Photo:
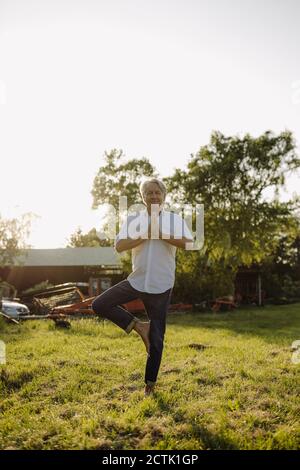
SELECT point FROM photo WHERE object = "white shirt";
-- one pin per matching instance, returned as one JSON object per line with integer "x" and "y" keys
{"x": 153, "y": 261}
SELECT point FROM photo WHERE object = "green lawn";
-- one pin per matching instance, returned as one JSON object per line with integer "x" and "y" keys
{"x": 83, "y": 388}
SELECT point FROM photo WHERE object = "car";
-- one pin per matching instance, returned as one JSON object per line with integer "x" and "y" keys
{"x": 13, "y": 309}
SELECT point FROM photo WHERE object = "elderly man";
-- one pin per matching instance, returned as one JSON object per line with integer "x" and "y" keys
{"x": 153, "y": 235}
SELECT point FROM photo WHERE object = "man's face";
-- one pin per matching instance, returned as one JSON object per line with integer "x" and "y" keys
{"x": 153, "y": 195}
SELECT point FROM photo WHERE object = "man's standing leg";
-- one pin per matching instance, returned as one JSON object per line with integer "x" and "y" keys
{"x": 157, "y": 307}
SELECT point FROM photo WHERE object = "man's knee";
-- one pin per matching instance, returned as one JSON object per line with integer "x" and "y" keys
{"x": 99, "y": 307}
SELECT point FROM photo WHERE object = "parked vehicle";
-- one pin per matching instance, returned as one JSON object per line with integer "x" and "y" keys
{"x": 13, "y": 309}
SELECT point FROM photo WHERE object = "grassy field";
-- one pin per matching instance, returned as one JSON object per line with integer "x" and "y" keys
{"x": 83, "y": 388}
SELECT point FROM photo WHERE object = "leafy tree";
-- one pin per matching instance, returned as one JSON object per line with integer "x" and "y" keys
{"x": 13, "y": 233}
{"x": 90, "y": 239}
{"x": 230, "y": 176}
{"x": 281, "y": 270}
{"x": 120, "y": 178}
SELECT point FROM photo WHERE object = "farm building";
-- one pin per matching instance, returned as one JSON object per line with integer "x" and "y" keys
{"x": 100, "y": 267}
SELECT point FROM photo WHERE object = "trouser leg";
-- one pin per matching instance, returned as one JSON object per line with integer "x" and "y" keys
{"x": 157, "y": 307}
{"x": 107, "y": 305}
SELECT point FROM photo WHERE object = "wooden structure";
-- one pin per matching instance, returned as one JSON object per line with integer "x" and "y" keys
{"x": 248, "y": 287}
{"x": 99, "y": 267}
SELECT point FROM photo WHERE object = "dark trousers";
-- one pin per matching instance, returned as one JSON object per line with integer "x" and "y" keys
{"x": 108, "y": 305}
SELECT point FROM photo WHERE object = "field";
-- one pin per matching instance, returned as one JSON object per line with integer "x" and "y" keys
{"x": 227, "y": 381}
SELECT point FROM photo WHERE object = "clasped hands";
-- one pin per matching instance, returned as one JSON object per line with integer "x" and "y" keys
{"x": 154, "y": 232}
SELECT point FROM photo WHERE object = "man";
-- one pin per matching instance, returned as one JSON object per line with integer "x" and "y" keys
{"x": 153, "y": 235}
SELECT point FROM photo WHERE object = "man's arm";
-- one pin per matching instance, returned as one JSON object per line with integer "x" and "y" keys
{"x": 128, "y": 243}
{"x": 184, "y": 236}
{"x": 178, "y": 242}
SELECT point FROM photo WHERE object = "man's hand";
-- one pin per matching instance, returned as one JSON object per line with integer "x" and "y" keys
{"x": 178, "y": 242}
{"x": 153, "y": 232}
{"x": 127, "y": 244}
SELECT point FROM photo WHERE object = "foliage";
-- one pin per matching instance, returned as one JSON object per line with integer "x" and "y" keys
{"x": 13, "y": 233}
{"x": 230, "y": 176}
{"x": 90, "y": 239}
{"x": 120, "y": 178}
{"x": 291, "y": 288}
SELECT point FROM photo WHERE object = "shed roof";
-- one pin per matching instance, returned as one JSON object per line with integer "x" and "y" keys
{"x": 86, "y": 256}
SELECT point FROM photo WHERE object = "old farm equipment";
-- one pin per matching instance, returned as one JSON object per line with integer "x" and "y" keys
{"x": 65, "y": 301}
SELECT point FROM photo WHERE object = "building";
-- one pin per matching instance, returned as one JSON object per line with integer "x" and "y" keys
{"x": 99, "y": 266}
{"x": 248, "y": 286}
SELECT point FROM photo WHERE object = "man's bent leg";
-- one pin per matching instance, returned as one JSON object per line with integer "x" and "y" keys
{"x": 107, "y": 305}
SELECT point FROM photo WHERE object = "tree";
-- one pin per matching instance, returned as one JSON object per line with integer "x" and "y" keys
{"x": 230, "y": 176}
{"x": 120, "y": 178}
{"x": 281, "y": 270}
{"x": 90, "y": 239}
{"x": 13, "y": 233}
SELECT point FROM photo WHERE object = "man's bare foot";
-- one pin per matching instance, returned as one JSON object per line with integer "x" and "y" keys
{"x": 149, "y": 390}
{"x": 143, "y": 329}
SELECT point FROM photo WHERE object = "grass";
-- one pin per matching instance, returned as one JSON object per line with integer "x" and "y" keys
{"x": 83, "y": 388}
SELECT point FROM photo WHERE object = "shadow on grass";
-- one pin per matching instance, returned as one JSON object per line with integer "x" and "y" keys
{"x": 14, "y": 382}
{"x": 194, "y": 431}
{"x": 211, "y": 441}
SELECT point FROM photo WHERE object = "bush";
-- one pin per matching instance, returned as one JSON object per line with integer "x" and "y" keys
{"x": 290, "y": 288}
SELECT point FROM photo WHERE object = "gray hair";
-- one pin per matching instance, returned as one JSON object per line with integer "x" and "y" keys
{"x": 144, "y": 184}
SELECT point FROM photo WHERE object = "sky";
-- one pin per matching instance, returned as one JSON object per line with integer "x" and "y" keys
{"x": 151, "y": 77}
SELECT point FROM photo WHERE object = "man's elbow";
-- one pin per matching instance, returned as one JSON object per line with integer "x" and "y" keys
{"x": 119, "y": 247}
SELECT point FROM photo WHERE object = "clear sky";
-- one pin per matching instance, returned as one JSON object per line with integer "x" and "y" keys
{"x": 153, "y": 77}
